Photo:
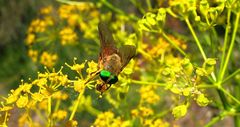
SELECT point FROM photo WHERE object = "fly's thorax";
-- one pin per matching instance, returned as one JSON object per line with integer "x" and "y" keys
{"x": 113, "y": 63}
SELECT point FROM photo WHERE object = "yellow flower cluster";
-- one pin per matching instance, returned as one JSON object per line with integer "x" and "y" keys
{"x": 155, "y": 123}
{"x": 68, "y": 36}
{"x": 48, "y": 59}
{"x": 162, "y": 46}
{"x": 33, "y": 54}
{"x": 46, "y": 10}
{"x": 60, "y": 114}
{"x": 107, "y": 119}
{"x": 148, "y": 95}
{"x": 71, "y": 12}
{"x": 40, "y": 25}
{"x": 145, "y": 114}
{"x": 70, "y": 20}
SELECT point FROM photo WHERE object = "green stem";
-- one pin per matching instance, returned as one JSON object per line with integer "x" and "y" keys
{"x": 49, "y": 111}
{"x": 216, "y": 119}
{"x": 226, "y": 61}
{"x": 225, "y": 40}
{"x": 198, "y": 44}
{"x": 196, "y": 39}
{"x": 230, "y": 76}
{"x": 147, "y": 83}
{"x": 76, "y": 104}
{"x": 115, "y": 9}
{"x": 231, "y": 96}
{"x": 149, "y": 5}
{"x": 57, "y": 105}
{"x": 138, "y": 6}
{"x": 174, "y": 44}
{"x": 73, "y": 2}
{"x": 236, "y": 121}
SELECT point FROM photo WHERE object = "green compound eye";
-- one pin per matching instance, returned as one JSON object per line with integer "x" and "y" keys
{"x": 113, "y": 80}
{"x": 104, "y": 75}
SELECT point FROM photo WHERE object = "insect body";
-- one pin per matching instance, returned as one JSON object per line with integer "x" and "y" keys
{"x": 111, "y": 59}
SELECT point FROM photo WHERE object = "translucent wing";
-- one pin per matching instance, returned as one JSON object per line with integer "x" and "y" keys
{"x": 107, "y": 43}
{"x": 127, "y": 52}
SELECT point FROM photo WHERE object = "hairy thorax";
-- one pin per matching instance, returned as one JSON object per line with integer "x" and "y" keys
{"x": 112, "y": 63}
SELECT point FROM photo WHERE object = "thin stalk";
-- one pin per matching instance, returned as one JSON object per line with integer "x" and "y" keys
{"x": 196, "y": 39}
{"x": 220, "y": 92}
{"x": 231, "y": 76}
{"x": 147, "y": 83}
{"x": 57, "y": 105}
{"x": 231, "y": 96}
{"x": 174, "y": 44}
{"x": 216, "y": 119}
{"x": 49, "y": 111}
{"x": 76, "y": 104}
{"x": 225, "y": 43}
{"x": 115, "y": 9}
{"x": 226, "y": 61}
{"x": 149, "y": 5}
{"x": 138, "y": 6}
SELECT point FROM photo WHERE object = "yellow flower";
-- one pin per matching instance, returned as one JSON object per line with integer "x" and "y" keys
{"x": 65, "y": 10}
{"x": 43, "y": 104}
{"x": 33, "y": 54}
{"x": 73, "y": 19}
{"x": 92, "y": 67}
{"x": 46, "y": 10}
{"x": 94, "y": 13}
{"x": 26, "y": 87}
{"x": 22, "y": 101}
{"x": 63, "y": 80}
{"x": 48, "y": 59}
{"x": 134, "y": 112}
{"x": 48, "y": 20}
{"x": 31, "y": 104}
{"x": 68, "y": 36}
{"x": 11, "y": 99}
{"x": 84, "y": 6}
{"x": 160, "y": 123}
{"x": 30, "y": 38}
{"x": 145, "y": 112}
{"x": 60, "y": 95}
{"x": 103, "y": 119}
{"x": 147, "y": 122}
{"x": 6, "y": 108}
{"x": 79, "y": 85}
{"x": 77, "y": 67}
{"x": 159, "y": 49}
{"x": 71, "y": 123}
{"x": 148, "y": 95}
{"x": 22, "y": 121}
{"x": 37, "y": 26}
{"x": 60, "y": 114}
{"x": 38, "y": 96}
{"x": 40, "y": 82}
